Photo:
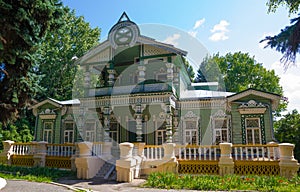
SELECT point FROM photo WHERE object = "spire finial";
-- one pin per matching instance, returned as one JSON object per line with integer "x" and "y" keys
{"x": 124, "y": 17}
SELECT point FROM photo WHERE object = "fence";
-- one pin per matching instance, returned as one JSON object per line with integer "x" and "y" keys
{"x": 153, "y": 152}
{"x": 43, "y": 154}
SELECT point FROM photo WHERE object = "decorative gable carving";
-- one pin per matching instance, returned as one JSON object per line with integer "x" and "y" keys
{"x": 47, "y": 114}
{"x": 220, "y": 114}
{"x": 252, "y": 107}
{"x": 190, "y": 115}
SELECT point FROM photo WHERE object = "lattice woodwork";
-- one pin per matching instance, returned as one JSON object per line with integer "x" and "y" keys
{"x": 198, "y": 167}
{"x": 22, "y": 160}
{"x": 256, "y": 168}
{"x": 58, "y": 162}
{"x": 152, "y": 50}
{"x": 3, "y": 160}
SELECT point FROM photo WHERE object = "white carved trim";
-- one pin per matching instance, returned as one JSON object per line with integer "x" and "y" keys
{"x": 47, "y": 116}
{"x": 273, "y": 97}
{"x": 220, "y": 114}
{"x": 190, "y": 115}
{"x": 252, "y": 110}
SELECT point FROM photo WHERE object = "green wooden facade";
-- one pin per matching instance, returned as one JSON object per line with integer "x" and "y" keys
{"x": 137, "y": 89}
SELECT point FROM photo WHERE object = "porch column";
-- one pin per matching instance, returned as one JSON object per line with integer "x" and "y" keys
{"x": 141, "y": 69}
{"x": 106, "y": 123}
{"x": 170, "y": 72}
{"x": 107, "y": 140}
{"x": 169, "y": 131}
{"x": 87, "y": 79}
{"x": 175, "y": 124}
{"x": 138, "y": 108}
{"x": 111, "y": 74}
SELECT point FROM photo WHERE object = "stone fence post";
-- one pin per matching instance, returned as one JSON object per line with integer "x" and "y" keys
{"x": 126, "y": 165}
{"x": 169, "y": 161}
{"x": 87, "y": 165}
{"x": 39, "y": 157}
{"x": 226, "y": 164}
{"x": 288, "y": 164}
{"x": 7, "y": 152}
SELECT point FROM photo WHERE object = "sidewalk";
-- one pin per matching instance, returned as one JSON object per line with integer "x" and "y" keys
{"x": 73, "y": 185}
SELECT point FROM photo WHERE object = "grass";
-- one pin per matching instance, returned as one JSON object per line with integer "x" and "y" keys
{"x": 37, "y": 174}
{"x": 226, "y": 183}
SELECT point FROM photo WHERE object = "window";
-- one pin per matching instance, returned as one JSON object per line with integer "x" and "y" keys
{"x": 69, "y": 132}
{"x": 253, "y": 133}
{"x": 90, "y": 131}
{"x": 221, "y": 130}
{"x": 191, "y": 132}
{"x": 48, "y": 129}
{"x": 160, "y": 133}
{"x": 113, "y": 133}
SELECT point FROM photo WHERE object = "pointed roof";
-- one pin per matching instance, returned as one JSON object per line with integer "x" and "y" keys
{"x": 275, "y": 98}
{"x": 124, "y": 16}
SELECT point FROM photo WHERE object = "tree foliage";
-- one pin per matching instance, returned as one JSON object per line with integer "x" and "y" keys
{"x": 288, "y": 40}
{"x": 23, "y": 25}
{"x": 287, "y": 130}
{"x": 291, "y": 5}
{"x": 58, "y": 50}
{"x": 237, "y": 72}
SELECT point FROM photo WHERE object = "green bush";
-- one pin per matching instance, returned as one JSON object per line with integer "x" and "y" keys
{"x": 228, "y": 182}
{"x": 39, "y": 174}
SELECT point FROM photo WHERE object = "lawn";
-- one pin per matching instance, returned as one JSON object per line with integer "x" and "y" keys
{"x": 226, "y": 183}
{"x": 38, "y": 174}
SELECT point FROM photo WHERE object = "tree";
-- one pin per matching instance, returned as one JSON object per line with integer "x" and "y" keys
{"x": 288, "y": 40}
{"x": 58, "y": 50}
{"x": 237, "y": 72}
{"x": 287, "y": 129}
{"x": 23, "y": 25}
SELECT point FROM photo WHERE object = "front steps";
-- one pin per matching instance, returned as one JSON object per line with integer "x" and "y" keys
{"x": 107, "y": 171}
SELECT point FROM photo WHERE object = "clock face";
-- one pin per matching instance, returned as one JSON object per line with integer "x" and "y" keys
{"x": 123, "y": 36}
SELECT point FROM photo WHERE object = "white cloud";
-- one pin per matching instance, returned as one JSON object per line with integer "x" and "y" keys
{"x": 198, "y": 23}
{"x": 219, "y": 31}
{"x": 290, "y": 82}
{"x": 193, "y": 33}
{"x": 220, "y": 36}
{"x": 172, "y": 39}
{"x": 221, "y": 27}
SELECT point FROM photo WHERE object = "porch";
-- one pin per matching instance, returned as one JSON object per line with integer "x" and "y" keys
{"x": 138, "y": 160}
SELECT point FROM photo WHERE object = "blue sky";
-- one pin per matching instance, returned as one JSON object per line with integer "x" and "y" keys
{"x": 220, "y": 26}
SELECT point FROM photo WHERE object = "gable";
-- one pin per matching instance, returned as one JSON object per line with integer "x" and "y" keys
{"x": 252, "y": 94}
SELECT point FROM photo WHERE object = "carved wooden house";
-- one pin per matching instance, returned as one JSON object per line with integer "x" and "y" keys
{"x": 142, "y": 93}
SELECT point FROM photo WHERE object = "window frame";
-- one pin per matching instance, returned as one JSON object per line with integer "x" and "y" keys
{"x": 252, "y": 129}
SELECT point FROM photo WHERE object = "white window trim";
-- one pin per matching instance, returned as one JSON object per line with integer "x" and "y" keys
{"x": 93, "y": 131}
{"x": 49, "y": 132}
{"x": 252, "y": 130}
{"x": 190, "y": 116}
{"x": 158, "y": 123}
{"x": 220, "y": 129}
